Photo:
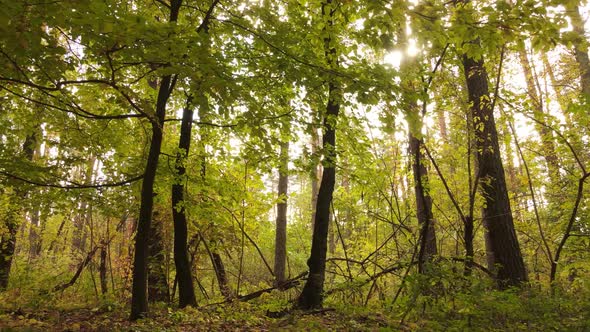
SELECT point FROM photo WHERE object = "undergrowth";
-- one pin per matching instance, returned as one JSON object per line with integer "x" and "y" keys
{"x": 442, "y": 300}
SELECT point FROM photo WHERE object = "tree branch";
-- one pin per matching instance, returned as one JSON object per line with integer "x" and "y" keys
{"x": 75, "y": 185}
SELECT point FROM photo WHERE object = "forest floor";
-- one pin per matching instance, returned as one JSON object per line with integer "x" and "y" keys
{"x": 464, "y": 309}
{"x": 221, "y": 318}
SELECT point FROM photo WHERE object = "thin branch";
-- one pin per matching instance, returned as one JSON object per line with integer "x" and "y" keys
{"x": 547, "y": 250}
{"x": 75, "y": 185}
{"x": 445, "y": 184}
{"x": 207, "y": 19}
{"x": 557, "y": 132}
{"x": 569, "y": 227}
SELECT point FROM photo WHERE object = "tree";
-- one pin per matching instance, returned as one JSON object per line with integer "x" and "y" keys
{"x": 281, "y": 222}
{"x": 580, "y": 46}
{"x": 312, "y": 294}
{"x": 414, "y": 115}
{"x": 10, "y": 215}
{"x": 158, "y": 289}
{"x": 497, "y": 214}
{"x": 186, "y": 292}
{"x": 139, "y": 298}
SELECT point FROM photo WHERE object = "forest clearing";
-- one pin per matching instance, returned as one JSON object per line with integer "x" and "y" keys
{"x": 299, "y": 165}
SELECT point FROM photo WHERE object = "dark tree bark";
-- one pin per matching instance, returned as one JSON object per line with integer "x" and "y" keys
{"x": 316, "y": 174}
{"x": 221, "y": 275}
{"x": 139, "y": 296}
{"x": 186, "y": 290}
{"x": 53, "y": 246}
{"x": 423, "y": 203}
{"x": 11, "y": 218}
{"x": 468, "y": 238}
{"x": 497, "y": 213}
{"x": 158, "y": 290}
{"x": 281, "y": 224}
{"x": 311, "y": 296}
{"x": 8, "y": 241}
{"x": 103, "y": 269}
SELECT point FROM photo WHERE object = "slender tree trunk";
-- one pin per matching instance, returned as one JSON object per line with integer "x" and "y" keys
{"x": 563, "y": 104}
{"x": 580, "y": 47}
{"x": 53, "y": 246}
{"x": 316, "y": 175}
{"x": 312, "y": 294}
{"x": 79, "y": 226}
{"x": 497, "y": 213}
{"x": 36, "y": 221}
{"x": 186, "y": 290}
{"x": 414, "y": 117}
{"x": 423, "y": 203}
{"x": 8, "y": 240}
{"x": 442, "y": 124}
{"x": 103, "y": 269}
{"x": 216, "y": 259}
{"x": 221, "y": 275}
{"x": 158, "y": 289}
{"x": 281, "y": 224}
{"x": 11, "y": 218}
{"x": 547, "y": 140}
{"x": 35, "y": 233}
{"x": 82, "y": 218}
{"x": 331, "y": 235}
{"x": 139, "y": 296}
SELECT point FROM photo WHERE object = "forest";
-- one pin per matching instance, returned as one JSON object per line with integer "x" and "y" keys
{"x": 319, "y": 165}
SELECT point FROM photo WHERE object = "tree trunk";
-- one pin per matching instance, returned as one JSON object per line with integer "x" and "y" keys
{"x": 414, "y": 117}
{"x": 158, "y": 289}
{"x": 547, "y": 140}
{"x": 83, "y": 217}
{"x": 497, "y": 213}
{"x": 37, "y": 223}
{"x": 316, "y": 175}
{"x": 103, "y": 269}
{"x": 139, "y": 296}
{"x": 8, "y": 239}
{"x": 580, "y": 47}
{"x": 11, "y": 219}
{"x": 281, "y": 225}
{"x": 312, "y": 295}
{"x": 35, "y": 233}
{"x": 186, "y": 290}
{"x": 221, "y": 275}
{"x": 423, "y": 203}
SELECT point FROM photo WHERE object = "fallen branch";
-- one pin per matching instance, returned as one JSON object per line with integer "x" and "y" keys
{"x": 473, "y": 264}
{"x": 88, "y": 259}
{"x": 287, "y": 284}
{"x": 81, "y": 267}
{"x": 373, "y": 277}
